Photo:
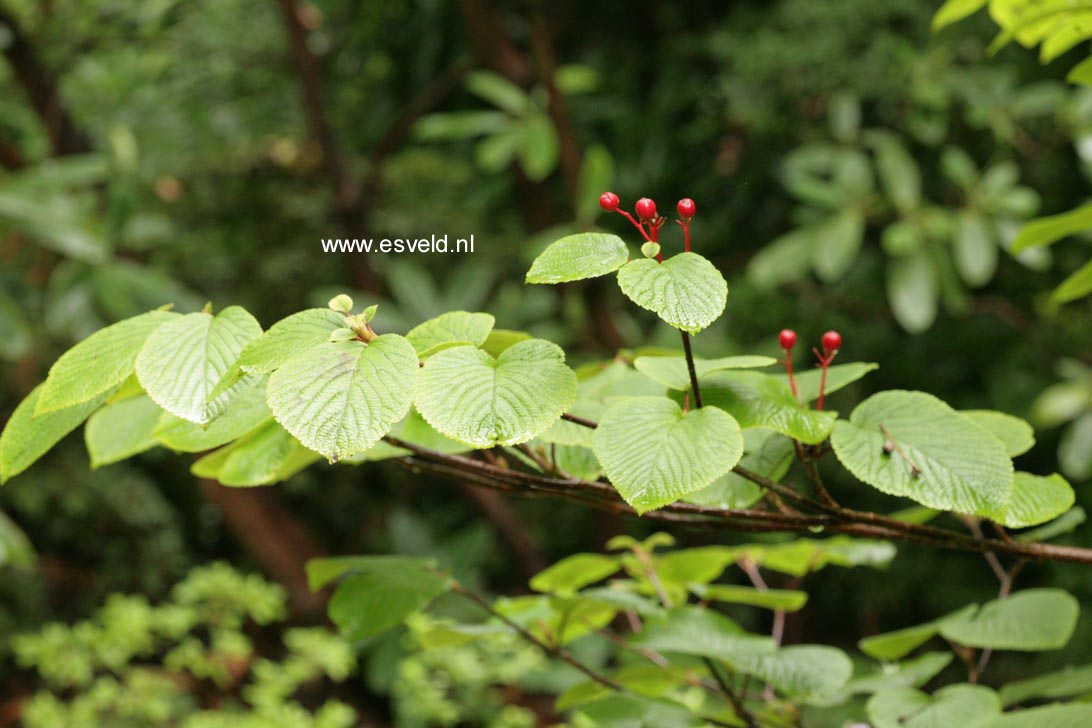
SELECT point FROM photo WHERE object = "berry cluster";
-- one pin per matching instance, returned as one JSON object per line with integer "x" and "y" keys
{"x": 649, "y": 221}
{"x": 832, "y": 342}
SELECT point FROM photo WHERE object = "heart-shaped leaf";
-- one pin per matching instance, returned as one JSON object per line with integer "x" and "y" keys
{"x": 686, "y": 290}
{"x": 654, "y": 454}
{"x": 471, "y": 397}
{"x": 185, "y": 358}
{"x": 575, "y": 257}
{"x": 339, "y": 398}
{"x": 913, "y": 445}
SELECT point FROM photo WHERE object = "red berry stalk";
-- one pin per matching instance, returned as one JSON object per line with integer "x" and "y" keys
{"x": 832, "y": 342}
{"x": 787, "y": 340}
{"x": 686, "y": 209}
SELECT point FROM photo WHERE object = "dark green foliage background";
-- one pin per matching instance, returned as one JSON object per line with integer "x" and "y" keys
{"x": 692, "y": 99}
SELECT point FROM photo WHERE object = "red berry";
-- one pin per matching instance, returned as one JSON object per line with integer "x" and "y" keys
{"x": 686, "y": 208}
{"x": 608, "y": 201}
{"x": 646, "y": 209}
{"x": 832, "y": 341}
{"x": 788, "y": 338}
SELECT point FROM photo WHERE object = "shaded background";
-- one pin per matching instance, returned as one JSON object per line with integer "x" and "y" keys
{"x": 170, "y": 151}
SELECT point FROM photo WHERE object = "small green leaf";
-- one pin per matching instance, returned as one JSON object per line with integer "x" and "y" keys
{"x": 892, "y": 646}
{"x": 244, "y": 413}
{"x": 836, "y": 244}
{"x": 184, "y": 359}
{"x": 1081, "y": 74}
{"x": 788, "y": 600}
{"x": 121, "y": 430}
{"x": 838, "y": 377}
{"x": 1037, "y": 499}
{"x": 285, "y": 339}
{"x": 1049, "y": 230}
{"x": 471, "y": 397}
{"x": 955, "y": 10}
{"x": 99, "y": 363}
{"x": 1014, "y": 433}
{"x": 26, "y": 436}
{"x": 500, "y": 339}
{"x": 15, "y": 547}
{"x": 1066, "y": 683}
{"x": 498, "y": 91}
{"x": 539, "y": 148}
{"x": 686, "y": 290}
{"x": 1031, "y": 620}
{"x": 672, "y": 372}
{"x": 803, "y": 672}
{"x": 913, "y": 289}
{"x": 898, "y": 171}
{"x": 377, "y": 593}
{"x": 450, "y": 329}
{"x": 701, "y": 633}
{"x": 1072, "y": 715}
{"x": 650, "y": 249}
{"x": 266, "y": 455}
{"x": 654, "y": 454}
{"x": 573, "y": 573}
{"x": 960, "y": 466}
{"x": 974, "y": 250}
{"x": 580, "y": 256}
{"x": 759, "y": 400}
{"x": 340, "y": 303}
{"x": 954, "y": 706}
{"x": 340, "y": 399}
{"x": 1077, "y": 285}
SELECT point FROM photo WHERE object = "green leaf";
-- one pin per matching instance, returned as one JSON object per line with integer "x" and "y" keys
{"x": 955, "y": 10}
{"x": 801, "y": 556}
{"x": 184, "y": 359}
{"x": 573, "y": 573}
{"x": 836, "y": 244}
{"x": 412, "y": 429}
{"x": 596, "y": 175}
{"x": 121, "y": 430}
{"x": 898, "y": 171}
{"x": 1014, "y": 433}
{"x": 501, "y": 339}
{"x": 620, "y": 710}
{"x": 540, "y": 147}
{"x": 340, "y": 399}
{"x": 15, "y": 547}
{"x": 450, "y": 329}
{"x": 471, "y": 397}
{"x": 557, "y": 620}
{"x": 654, "y": 454}
{"x": 26, "y": 436}
{"x": 1037, "y": 499}
{"x": 974, "y": 249}
{"x": 766, "y": 453}
{"x": 99, "y": 363}
{"x": 1073, "y": 715}
{"x": 954, "y": 706}
{"x": 1063, "y": 524}
{"x": 498, "y": 91}
{"x": 838, "y": 376}
{"x": 1081, "y": 74}
{"x": 788, "y": 600}
{"x": 15, "y": 329}
{"x": 244, "y": 413}
{"x": 266, "y": 455}
{"x": 672, "y": 372}
{"x": 1066, "y": 683}
{"x": 1049, "y": 230}
{"x": 701, "y": 633}
{"x": 378, "y": 592}
{"x": 1031, "y": 620}
{"x": 896, "y": 645}
{"x": 961, "y": 466}
{"x": 580, "y": 256}
{"x": 788, "y": 258}
{"x": 685, "y": 290}
{"x": 759, "y": 400}
{"x": 1077, "y": 285}
{"x": 803, "y": 672}
{"x": 289, "y": 337}
{"x": 913, "y": 289}
{"x": 908, "y": 673}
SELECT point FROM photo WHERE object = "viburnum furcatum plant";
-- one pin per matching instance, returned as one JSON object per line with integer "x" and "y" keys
{"x": 715, "y": 444}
